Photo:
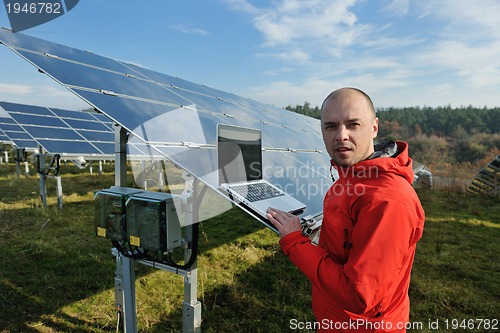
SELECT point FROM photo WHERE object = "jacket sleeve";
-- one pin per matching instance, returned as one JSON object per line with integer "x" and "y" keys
{"x": 382, "y": 236}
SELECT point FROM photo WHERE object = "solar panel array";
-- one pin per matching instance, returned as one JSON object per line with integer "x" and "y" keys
{"x": 487, "y": 180}
{"x": 61, "y": 131}
{"x": 178, "y": 118}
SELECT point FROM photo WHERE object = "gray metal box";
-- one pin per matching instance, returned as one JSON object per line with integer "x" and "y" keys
{"x": 152, "y": 221}
{"x": 109, "y": 212}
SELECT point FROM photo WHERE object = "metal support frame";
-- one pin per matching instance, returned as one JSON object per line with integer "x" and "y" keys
{"x": 20, "y": 155}
{"x": 49, "y": 170}
{"x": 125, "y": 275}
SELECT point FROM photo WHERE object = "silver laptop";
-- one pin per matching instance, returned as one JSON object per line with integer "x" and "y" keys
{"x": 239, "y": 158}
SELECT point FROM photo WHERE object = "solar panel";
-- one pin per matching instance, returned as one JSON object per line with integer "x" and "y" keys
{"x": 487, "y": 180}
{"x": 178, "y": 118}
{"x": 63, "y": 131}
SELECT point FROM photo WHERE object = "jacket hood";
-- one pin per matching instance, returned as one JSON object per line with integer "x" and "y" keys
{"x": 389, "y": 156}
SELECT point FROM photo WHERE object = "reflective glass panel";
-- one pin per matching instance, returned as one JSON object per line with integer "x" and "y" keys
{"x": 31, "y": 109}
{"x": 68, "y": 147}
{"x": 19, "y": 40}
{"x": 52, "y": 133}
{"x": 72, "y": 114}
{"x": 24, "y": 119}
{"x": 97, "y": 136}
{"x": 25, "y": 143}
{"x": 85, "y": 124}
{"x": 105, "y": 148}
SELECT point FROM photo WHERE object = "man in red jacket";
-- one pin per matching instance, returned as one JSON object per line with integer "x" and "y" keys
{"x": 372, "y": 220}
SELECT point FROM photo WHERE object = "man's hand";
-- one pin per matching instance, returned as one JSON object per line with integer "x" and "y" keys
{"x": 286, "y": 223}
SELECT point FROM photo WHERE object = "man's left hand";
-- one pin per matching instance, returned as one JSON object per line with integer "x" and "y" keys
{"x": 286, "y": 223}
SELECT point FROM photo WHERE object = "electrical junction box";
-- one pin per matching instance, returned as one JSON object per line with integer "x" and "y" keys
{"x": 152, "y": 221}
{"x": 109, "y": 212}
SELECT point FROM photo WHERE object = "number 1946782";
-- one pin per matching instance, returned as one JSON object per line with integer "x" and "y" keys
{"x": 34, "y": 8}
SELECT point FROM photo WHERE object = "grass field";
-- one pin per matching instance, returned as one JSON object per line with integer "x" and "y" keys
{"x": 57, "y": 276}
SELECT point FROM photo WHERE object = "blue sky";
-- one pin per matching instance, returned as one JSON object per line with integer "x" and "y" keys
{"x": 284, "y": 52}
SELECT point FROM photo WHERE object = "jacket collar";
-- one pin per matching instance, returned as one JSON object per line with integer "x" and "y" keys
{"x": 385, "y": 149}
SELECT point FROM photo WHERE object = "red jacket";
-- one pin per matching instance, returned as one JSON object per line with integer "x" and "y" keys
{"x": 360, "y": 270}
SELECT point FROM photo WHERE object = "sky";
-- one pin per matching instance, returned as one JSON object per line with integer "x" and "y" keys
{"x": 283, "y": 52}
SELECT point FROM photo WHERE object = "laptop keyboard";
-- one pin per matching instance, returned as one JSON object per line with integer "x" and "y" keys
{"x": 257, "y": 191}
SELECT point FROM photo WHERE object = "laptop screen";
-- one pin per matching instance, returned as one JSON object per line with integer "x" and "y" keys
{"x": 239, "y": 154}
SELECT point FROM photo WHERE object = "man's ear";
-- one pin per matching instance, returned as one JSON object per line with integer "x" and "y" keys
{"x": 375, "y": 128}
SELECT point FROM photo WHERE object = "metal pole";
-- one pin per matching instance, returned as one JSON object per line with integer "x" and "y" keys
{"x": 120, "y": 156}
{"x": 18, "y": 168}
{"x": 17, "y": 158}
{"x": 191, "y": 307}
{"x": 43, "y": 189}
{"x": 125, "y": 278}
{"x": 59, "y": 192}
{"x": 43, "y": 177}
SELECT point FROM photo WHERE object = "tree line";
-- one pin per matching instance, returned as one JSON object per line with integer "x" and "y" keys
{"x": 437, "y": 135}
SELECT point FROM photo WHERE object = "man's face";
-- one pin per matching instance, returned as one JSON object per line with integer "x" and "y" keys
{"x": 349, "y": 127}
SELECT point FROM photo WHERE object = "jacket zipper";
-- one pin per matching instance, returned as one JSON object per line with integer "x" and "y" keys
{"x": 347, "y": 245}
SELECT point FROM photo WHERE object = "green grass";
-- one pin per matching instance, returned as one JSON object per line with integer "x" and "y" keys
{"x": 57, "y": 276}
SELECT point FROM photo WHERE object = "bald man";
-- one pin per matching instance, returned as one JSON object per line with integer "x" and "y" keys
{"x": 372, "y": 221}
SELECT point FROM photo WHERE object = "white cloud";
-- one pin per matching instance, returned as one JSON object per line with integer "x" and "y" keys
{"x": 477, "y": 65}
{"x": 15, "y": 89}
{"x": 189, "y": 30}
{"x": 242, "y": 6}
{"x": 288, "y": 21}
{"x": 384, "y": 43}
{"x": 296, "y": 56}
{"x": 278, "y": 71}
{"x": 397, "y": 7}
{"x": 283, "y": 93}
{"x": 445, "y": 52}
{"x": 480, "y": 17}
{"x": 34, "y": 94}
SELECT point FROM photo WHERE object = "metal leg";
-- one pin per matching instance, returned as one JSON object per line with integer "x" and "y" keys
{"x": 43, "y": 189}
{"x": 118, "y": 290}
{"x": 191, "y": 307}
{"x": 59, "y": 192}
{"x": 125, "y": 294}
{"x": 129, "y": 308}
{"x": 18, "y": 168}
